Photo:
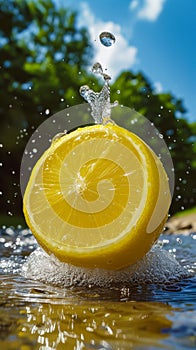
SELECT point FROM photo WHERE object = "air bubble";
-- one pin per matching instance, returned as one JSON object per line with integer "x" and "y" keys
{"x": 107, "y": 39}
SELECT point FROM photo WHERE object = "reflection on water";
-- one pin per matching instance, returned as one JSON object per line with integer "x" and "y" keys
{"x": 36, "y": 315}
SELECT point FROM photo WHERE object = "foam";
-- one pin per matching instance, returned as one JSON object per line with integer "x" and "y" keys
{"x": 157, "y": 267}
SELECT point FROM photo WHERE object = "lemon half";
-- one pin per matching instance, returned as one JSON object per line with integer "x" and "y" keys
{"x": 98, "y": 197}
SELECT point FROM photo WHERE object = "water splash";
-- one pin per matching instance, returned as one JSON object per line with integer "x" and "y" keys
{"x": 99, "y": 101}
{"x": 158, "y": 267}
{"x": 107, "y": 39}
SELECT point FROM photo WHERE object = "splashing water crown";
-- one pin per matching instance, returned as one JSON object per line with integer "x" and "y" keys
{"x": 99, "y": 101}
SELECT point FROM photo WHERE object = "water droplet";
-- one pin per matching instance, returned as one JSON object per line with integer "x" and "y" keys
{"x": 34, "y": 150}
{"x": 106, "y": 77}
{"x": 178, "y": 240}
{"x": 159, "y": 244}
{"x": 97, "y": 68}
{"x": 59, "y": 135}
{"x": 107, "y": 39}
{"x": 118, "y": 92}
{"x": 62, "y": 99}
{"x": 47, "y": 111}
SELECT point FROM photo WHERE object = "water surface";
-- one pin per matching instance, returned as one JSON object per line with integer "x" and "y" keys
{"x": 35, "y": 314}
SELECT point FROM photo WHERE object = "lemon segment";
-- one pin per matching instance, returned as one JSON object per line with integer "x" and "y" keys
{"x": 91, "y": 199}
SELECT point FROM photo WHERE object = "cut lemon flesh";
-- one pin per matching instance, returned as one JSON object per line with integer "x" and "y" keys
{"x": 98, "y": 197}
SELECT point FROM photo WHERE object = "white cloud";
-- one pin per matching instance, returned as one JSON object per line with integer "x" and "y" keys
{"x": 150, "y": 9}
{"x": 118, "y": 57}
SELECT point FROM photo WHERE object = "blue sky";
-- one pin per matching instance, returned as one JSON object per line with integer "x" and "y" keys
{"x": 155, "y": 36}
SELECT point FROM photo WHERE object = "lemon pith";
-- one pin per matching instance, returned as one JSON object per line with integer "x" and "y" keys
{"x": 92, "y": 195}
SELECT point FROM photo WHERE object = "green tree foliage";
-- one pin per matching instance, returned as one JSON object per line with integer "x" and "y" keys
{"x": 43, "y": 62}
